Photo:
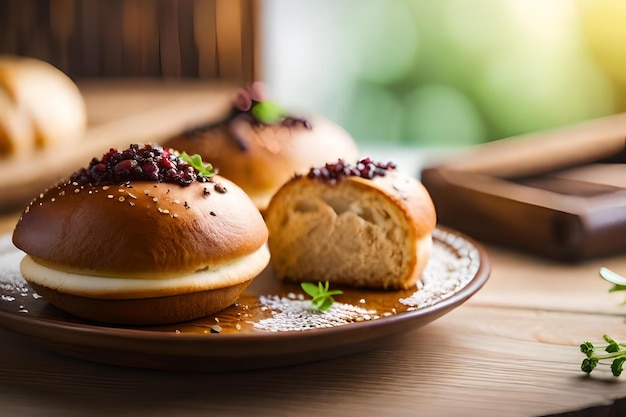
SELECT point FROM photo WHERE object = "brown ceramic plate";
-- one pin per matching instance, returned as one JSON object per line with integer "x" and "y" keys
{"x": 272, "y": 324}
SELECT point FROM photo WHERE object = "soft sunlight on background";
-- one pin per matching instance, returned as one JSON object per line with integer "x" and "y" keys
{"x": 448, "y": 72}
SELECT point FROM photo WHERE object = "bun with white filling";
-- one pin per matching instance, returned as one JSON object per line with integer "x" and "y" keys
{"x": 363, "y": 225}
{"x": 142, "y": 236}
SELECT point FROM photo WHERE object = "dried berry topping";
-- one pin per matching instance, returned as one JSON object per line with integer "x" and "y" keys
{"x": 142, "y": 163}
{"x": 250, "y": 105}
{"x": 365, "y": 168}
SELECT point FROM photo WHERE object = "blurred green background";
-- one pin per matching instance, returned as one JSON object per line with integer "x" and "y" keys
{"x": 447, "y": 72}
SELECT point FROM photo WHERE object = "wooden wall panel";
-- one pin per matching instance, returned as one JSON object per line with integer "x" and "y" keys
{"x": 166, "y": 38}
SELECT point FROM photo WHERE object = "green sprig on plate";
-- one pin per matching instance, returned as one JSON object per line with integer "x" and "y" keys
{"x": 322, "y": 297}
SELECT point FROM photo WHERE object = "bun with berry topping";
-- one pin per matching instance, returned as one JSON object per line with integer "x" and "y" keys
{"x": 259, "y": 147}
{"x": 142, "y": 236}
{"x": 363, "y": 225}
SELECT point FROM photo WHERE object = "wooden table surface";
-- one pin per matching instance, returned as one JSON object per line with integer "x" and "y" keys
{"x": 511, "y": 350}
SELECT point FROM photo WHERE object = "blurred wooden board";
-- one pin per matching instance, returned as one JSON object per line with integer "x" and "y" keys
{"x": 560, "y": 194}
{"x": 120, "y": 112}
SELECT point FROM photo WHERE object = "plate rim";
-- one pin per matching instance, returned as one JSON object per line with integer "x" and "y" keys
{"x": 147, "y": 335}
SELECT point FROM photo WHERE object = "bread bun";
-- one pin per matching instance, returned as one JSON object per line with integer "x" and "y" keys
{"x": 140, "y": 251}
{"x": 261, "y": 156}
{"x": 40, "y": 107}
{"x": 373, "y": 232}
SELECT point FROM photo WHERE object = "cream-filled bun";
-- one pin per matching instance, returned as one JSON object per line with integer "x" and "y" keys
{"x": 142, "y": 236}
{"x": 260, "y": 147}
{"x": 360, "y": 225}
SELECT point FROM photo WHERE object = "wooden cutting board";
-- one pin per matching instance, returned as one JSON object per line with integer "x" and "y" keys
{"x": 120, "y": 112}
{"x": 560, "y": 194}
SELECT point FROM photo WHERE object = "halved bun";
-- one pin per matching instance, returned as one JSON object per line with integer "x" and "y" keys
{"x": 273, "y": 152}
{"x": 114, "y": 253}
{"x": 358, "y": 232}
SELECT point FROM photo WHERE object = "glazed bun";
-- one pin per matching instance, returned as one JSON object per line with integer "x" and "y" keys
{"x": 261, "y": 156}
{"x": 40, "y": 107}
{"x": 364, "y": 225}
{"x": 138, "y": 251}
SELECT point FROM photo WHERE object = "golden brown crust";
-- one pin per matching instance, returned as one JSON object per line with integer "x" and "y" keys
{"x": 365, "y": 233}
{"x": 140, "y": 230}
{"x": 47, "y": 99}
{"x": 145, "y": 311}
{"x": 16, "y": 131}
{"x": 275, "y": 152}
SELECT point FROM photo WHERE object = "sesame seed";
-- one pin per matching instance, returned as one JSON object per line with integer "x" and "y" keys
{"x": 53, "y": 199}
{"x": 146, "y": 192}
{"x": 131, "y": 203}
{"x": 41, "y": 195}
{"x": 164, "y": 211}
{"x": 131, "y": 195}
{"x": 154, "y": 199}
{"x": 105, "y": 187}
{"x": 121, "y": 190}
{"x": 121, "y": 199}
{"x": 175, "y": 215}
{"x": 76, "y": 190}
{"x": 110, "y": 196}
{"x": 176, "y": 201}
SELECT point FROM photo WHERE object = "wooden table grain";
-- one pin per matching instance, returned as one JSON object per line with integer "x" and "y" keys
{"x": 511, "y": 350}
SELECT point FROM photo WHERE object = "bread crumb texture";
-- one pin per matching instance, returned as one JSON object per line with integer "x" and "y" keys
{"x": 350, "y": 233}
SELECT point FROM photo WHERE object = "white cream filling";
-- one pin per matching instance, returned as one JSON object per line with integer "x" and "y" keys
{"x": 236, "y": 272}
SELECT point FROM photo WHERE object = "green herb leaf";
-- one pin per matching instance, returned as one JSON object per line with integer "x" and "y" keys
{"x": 587, "y": 348}
{"x": 618, "y": 366}
{"x": 310, "y": 289}
{"x": 322, "y": 298}
{"x": 204, "y": 168}
{"x": 618, "y": 281}
{"x": 612, "y": 277}
{"x": 267, "y": 112}
{"x": 589, "y": 364}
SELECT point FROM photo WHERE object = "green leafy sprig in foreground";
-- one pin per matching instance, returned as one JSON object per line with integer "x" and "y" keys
{"x": 613, "y": 353}
{"x": 322, "y": 296}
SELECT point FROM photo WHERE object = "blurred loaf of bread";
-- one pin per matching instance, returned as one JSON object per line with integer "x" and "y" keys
{"x": 40, "y": 107}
